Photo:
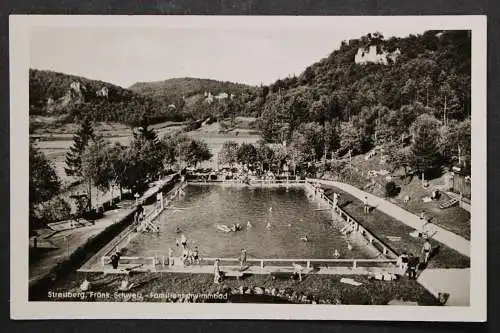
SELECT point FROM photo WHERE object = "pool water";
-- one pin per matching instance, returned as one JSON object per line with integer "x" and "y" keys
{"x": 292, "y": 216}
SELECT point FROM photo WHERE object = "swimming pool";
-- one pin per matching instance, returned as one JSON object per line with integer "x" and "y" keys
{"x": 290, "y": 213}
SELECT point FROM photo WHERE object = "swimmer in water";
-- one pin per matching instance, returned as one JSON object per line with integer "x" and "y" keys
{"x": 304, "y": 238}
{"x": 336, "y": 253}
{"x": 249, "y": 225}
{"x": 268, "y": 226}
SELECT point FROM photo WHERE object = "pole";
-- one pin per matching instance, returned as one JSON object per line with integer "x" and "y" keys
{"x": 66, "y": 244}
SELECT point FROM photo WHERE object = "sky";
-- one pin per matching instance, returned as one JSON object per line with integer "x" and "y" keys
{"x": 125, "y": 55}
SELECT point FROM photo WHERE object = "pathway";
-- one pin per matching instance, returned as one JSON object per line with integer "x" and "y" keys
{"x": 444, "y": 236}
{"x": 68, "y": 241}
{"x": 455, "y": 282}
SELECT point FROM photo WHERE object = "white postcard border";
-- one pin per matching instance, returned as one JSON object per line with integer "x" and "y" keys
{"x": 21, "y": 308}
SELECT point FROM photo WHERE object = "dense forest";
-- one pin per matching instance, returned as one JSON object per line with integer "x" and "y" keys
{"x": 431, "y": 75}
{"x": 338, "y": 105}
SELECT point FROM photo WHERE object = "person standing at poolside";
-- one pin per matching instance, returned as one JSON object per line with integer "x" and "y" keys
{"x": 335, "y": 199}
{"x": 217, "y": 275}
{"x": 243, "y": 258}
{"x": 426, "y": 250}
{"x": 196, "y": 255}
{"x": 366, "y": 206}
{"x": 170, "y": 256}
{"x": 412, "y": 267}
{"x": 183, "y": 241}
{"x": 297, "y": 270}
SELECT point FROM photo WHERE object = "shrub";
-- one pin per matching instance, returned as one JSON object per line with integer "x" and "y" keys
{"x": 391, "y": 190}
{"x": 54, "y": 210}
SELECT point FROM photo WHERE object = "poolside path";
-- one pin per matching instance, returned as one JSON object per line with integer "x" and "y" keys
{"x": 455, "y": 282}
{"x": 234, "y": 270}
{"x": 443, "y": 236}
{"x": 64, "y": 243}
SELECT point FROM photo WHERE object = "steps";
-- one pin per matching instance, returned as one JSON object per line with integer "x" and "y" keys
{"x": 449, "y": 203}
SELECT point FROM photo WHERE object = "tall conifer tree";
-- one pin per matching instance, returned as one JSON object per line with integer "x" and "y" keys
{"x": 80, "y": 141}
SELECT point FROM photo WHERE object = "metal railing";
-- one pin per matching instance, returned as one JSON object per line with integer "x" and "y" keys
{"x": 353, "y": 262}
{"x": 372, "y": 239}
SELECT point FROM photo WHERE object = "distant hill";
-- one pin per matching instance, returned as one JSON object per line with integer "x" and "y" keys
{"x": 189, "y": 94}
{"x": 173, "y": 89}
{"x": 69, "y": 97}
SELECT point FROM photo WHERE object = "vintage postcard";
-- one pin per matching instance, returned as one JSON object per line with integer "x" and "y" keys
{"x": 248, "y": 167}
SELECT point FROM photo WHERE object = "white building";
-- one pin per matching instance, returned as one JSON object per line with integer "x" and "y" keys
{"x": 366, "y": 56}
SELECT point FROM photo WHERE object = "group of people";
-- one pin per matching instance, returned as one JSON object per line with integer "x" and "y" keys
{"x": 190, "y": 256}
{"x": 219, "y": 274}
{"x": 237, "y": 227}
{"x": 409, "y": 264}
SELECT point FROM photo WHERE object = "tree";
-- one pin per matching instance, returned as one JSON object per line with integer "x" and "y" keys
{"x": 297, "y": 151}
{"x": 265, "y": 156}
{"x": 145, "y": 131}
{"x": 315, "y": 140}
{"x": 400, "y": 158}
{"x": 143, "y": 163}
{"x": 350, "y": 138}
{"x": 80, "y": 141}
{"x": 197, "y": 151}
{"x": 425, "y": 131}
{"x": 449, "y": 99}
{"x": 117, "y": 155}
{"x": 229, "y": 153}
{"x": 332, "y": 138}
{"x": 96, "y": 166}
{"x": 247, "y": 154}
{"x": 279, "y": 157}
{"x": 455, "y": 142}
{"x": 170, "y": 150}
{"x": 43, "y": 181}
{"x": 273, "y": 119}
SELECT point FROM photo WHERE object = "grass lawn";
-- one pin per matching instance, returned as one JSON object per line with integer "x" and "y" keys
{"x": 454, "y": 219}
{"x": 323, "y": 288}
{"x": 383, "y": 225}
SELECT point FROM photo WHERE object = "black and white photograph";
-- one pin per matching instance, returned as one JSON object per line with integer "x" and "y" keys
{"x": 248, "y": 167}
